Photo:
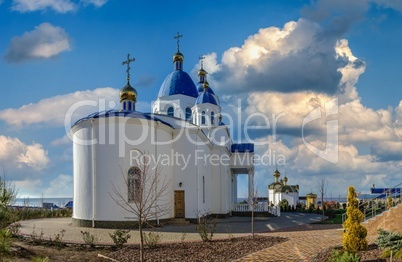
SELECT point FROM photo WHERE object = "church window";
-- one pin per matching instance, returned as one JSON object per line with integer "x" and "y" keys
{"x": 134, "y": 184}
{"x": 170, "y": 111}
{"x": 212, "y": 118}
{"x": 188, "y": 114}
{"x": 203, "y": 189}
{"x": 203, "y": 118}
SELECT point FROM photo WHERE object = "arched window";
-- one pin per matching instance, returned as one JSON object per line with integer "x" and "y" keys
{"x": 134, "y": 184}
{"x": 188, "y": 114}
{"x": 203, "y": 118}
{"x": 170, "y": 111}
{"x": 212, "y": 118}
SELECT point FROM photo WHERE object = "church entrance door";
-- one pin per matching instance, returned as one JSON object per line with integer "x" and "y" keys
{"x": 179, "y": 204}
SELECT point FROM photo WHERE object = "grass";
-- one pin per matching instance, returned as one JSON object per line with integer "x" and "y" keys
{"x": 336, "y": 220}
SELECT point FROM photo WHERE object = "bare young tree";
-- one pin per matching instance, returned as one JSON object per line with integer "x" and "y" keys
{"x": 145, "y": 196}
{"x": 322, "y": 189}
{"x": 252, "y": 200}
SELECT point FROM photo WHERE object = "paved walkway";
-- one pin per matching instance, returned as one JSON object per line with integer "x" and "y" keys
{"x": 303, "y": 244}
{"x": 305, "y": 240}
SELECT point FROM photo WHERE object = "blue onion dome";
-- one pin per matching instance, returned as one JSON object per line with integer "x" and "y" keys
{"x": 200, "y": 88}
{"x": 178, "y": 83}
{"x": 206, "y": 97}
{"x": 128, "y": 93}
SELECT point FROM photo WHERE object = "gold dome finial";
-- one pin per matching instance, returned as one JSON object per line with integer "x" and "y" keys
{"x": 128, "y": 92}
{"x": 178, "y": 57}
{"x": 202, "y": 72}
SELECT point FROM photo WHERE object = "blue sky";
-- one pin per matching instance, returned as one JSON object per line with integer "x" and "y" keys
{"x": 276, "y": 56}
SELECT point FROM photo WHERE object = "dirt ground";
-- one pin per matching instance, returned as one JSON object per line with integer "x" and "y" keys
{"x": 217, "y": 250}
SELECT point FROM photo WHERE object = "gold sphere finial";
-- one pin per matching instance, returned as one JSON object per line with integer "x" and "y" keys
{"x": 128, "y": 93}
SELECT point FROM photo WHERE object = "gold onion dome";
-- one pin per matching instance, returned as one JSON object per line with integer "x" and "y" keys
{"x": 178, "y": 57}
{"x": 277, "y": 173}
{"x": 202, "y": 72}
{"x": 285, "y": 179}
{"x": 205, "y": 85}
{"x": 128, "y": 93}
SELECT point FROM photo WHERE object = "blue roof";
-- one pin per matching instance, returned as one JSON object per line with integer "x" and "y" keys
{"x": 242, "y": 148}
{"x": 122, "y": 113}
{"x": 69, "y": 204}
{"x": 206, "y": 97}
{"x": 200, "y": 88}
{"x": 385, "y": 190}
{"x": 178, "y": 83}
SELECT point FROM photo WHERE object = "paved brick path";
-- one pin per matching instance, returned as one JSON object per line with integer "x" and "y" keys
{"x": 303, "y": 244}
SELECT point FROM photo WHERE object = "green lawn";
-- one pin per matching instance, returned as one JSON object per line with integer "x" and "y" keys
{"x": 336, "y": 220}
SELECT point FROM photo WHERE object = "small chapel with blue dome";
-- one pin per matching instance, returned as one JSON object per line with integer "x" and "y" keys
{"x": 186, "y": 145}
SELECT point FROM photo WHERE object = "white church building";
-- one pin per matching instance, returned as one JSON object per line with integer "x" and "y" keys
{"x": 280, "y": 190}
{"x": 184, "y": 130}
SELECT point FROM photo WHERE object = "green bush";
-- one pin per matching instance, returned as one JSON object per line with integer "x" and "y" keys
{"x": 206, "y": 227}
{"x": 120, "y": 237}
{"x": 338, "y": 256}
{"x": 390, "y": 242}
{"x": 5, "y": 241}
{"x": 88, "y": 238}
{"x": 152, "y": 239}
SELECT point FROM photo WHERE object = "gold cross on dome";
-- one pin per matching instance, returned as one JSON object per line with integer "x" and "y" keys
{"x": 177, "y": 36}
{"x": 128, "y": 61}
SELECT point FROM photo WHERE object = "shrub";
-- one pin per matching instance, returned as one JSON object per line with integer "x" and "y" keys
{"x": 337, "y": 256}
{"x": 354, "y": 237}
{"x": 120, "y": 237}
{"x": 88, "y": 238}
{"x": 390, "y": 242}
{"x": 206, "y": 227}
{"x": 5, "y": 241}
{"x": 35, "y": 237}
{"x": 58, "y": 239}
{"x": 14, "y": 229}
{"x": 152, "y": 239}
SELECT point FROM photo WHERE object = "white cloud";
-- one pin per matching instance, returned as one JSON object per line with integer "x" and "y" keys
{"x": 53, "y": 110}
{"x": 61, "y": 186}
{"x": 14, "y": 153}
{"x": 97, "y": 3}
{"x": 28, "y": 187}
{"x": 60, "y": 6}
{"x": 65, "y": 140}
{"x": 44, "y": 42}
{"x": 296, "y": 52}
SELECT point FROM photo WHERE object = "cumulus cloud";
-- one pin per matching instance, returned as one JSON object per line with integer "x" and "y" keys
{"x": 295, "y": 53}
{"x": 60, "y": 6}
{"x": 44, "y": 42}
{"x": 65, "y": 140}
{"x": 65, "y": 109}
{"x": 61, "y": 186}
{"x": 54, "y": 110}
{"x": 14, "y": 153}
{"x": 97, "y": 3}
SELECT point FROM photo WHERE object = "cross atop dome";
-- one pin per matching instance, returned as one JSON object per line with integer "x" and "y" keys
{"x": 177, "y": 36}
{"x": 201, "y": 58}
{"x": 127, "y": 62}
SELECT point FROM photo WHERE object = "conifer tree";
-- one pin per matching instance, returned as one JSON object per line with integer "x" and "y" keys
{"x": 354, "y": 236}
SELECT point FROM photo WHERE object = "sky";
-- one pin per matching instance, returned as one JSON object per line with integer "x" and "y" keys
{"x": 280, "y": 59}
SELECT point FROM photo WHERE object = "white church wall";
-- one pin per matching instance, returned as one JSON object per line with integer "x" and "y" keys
{"x": 82, "y": 159}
